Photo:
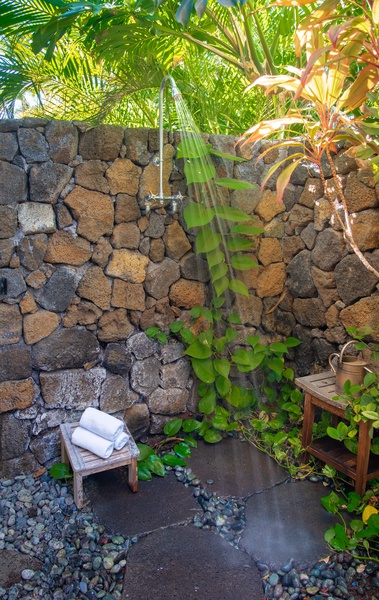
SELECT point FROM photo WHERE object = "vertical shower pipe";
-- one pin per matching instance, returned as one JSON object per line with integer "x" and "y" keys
{"x": 175, "y": 94}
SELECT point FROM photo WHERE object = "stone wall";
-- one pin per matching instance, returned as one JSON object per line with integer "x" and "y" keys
{"x": 83, "y": 273}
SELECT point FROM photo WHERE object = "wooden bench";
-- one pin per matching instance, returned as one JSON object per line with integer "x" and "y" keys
{"x": 319, "y": 391}
{"x": 85, "y": 463}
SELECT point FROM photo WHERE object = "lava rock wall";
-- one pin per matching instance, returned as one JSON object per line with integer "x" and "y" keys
{"x": 84, "y": 272}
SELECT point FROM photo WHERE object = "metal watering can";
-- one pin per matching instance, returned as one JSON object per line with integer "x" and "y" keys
{"x": 347, "y": 367}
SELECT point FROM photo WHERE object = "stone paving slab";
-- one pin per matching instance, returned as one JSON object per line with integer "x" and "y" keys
{"x": 12, "y": 563}
{"x": 158, "y": 503}
{"x": 185, "y": 562}
{"x": 286, "y": 522}
{"x": 236, "y": 468}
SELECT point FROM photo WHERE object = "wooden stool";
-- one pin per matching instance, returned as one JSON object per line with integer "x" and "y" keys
{"x": 319, "y": 391}
{"x": 85, "y": 463}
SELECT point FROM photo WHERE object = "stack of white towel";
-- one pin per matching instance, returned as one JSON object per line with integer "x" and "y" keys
{"x": 99, "y": 433}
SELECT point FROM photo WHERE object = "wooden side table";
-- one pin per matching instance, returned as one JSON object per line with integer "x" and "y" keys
{"x": 319, "y": 391}
{"x": 85, "y": 463}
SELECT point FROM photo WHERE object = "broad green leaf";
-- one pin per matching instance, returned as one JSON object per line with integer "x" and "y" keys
{"x": 204, "y": 426}
{"x": 182, "y": 450}
{"x": 234, "y": 319}
{"x": 144, "y": 451}
{"x": 279, "y": 438}
{"x": 172, "y": 427}
{"x": 231, "y": 214}
{"x": 222, "y": 366}
{"x": 144, "y": 473}
{"x": 198, "y": 350}
{"x": 238, "y": 287}
{"x": 239, "y": 397}
{"x": 155, "y": 465}
{"x": 242, "y": 263}
{"x": 190, "y": 425}
{"x": 230, "y": 334}
{"x": 220, "y": 423}
{"x": 176, "y": 326}
{"x": 196, "y": 215}
{"x": 152, "y": 331}
{"x": 187, "y": 335}
{"x": 246, "y": 229}
{"x": 278, "y": 347}
{"x": 208, "y": 402}
{"x": 221, "y": 285}
{"x": 226, "y": 155}
{"x": 236, "y": 243}
{"x": 207, "y": 240}
{"x": 173, "y": 461}
{"x": 333, "y": 433}
{"x": 60, "y": 471}
{"x": 190, "y": 441}
{"x": 369, "y": 379}
{"x": 195, "y": 312}
{"x": 218, "y": 302}
{"x": 235, "y": 184}
{"x": 162, "y": 337}
{"x": 276, "y": 365}
{"x": 204, "y": 370}
{"x": 223, "y": 385}
{"x": 215, "y": 257}
{"x": 219, "y": 271}
{"x": 192, "y": 147}
{"x": 371, "y": 415}
{"x": 212, "y": 437}
{"x": 291, "y": 342}
{"x": 198, "y": 171}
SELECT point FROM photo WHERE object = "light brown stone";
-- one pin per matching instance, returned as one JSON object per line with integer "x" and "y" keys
{"x": 16, "y": 394}
{"x": 84, "y": 313}
{"x": 8, "y": 221}
{"x": 127, "y": 209}
{"x": 64, "y": 248}
{"x": 271, "y": 280}
{"x": 358, "y": 195}
{"x": 187, "y": 294}
{"x": 332, "y": 188}
{"x": 250, "y": 276}
{"x": 322, "y": 214}
{"x": 269, "y": 251}
{"x": 39, "y": 325}
{"x": 249, "y": 310}
{"x": 102, "y": 142}
{"x": 10, "y": 324}
{"x": 102, "y": 252}
{"x": 93, "y": 211}
{"x": 273, "y": 229}
{"x": 313, "y": 190}
{"x": 365, "y": 227}
{"x": 126, "y": 235}
{"x": 363, "y": 313}
{"x": 150, "y": 176}
{"x": 36, "y": 280}
{"x": 27, "y": 304}
{"x": 127, "y": 265}
{"x": 168, "y": 402}
{"x": 269, "y": 206}
{"x": 176, "y": 241}
{"x": 299, "y": 216}
{"x": 128, "y": 295}
{"x": 332, "y": 316}
{"x": 291, "y": 246}
{"x": 95, "y": 287}
{"x": 64, "y": 218}
{"x": 246, "y": 200}
{"x": 123, "y": 177}
{"x": 90, "y": 175}
{"x": 114, "y": 326}
{"x": 157, "y": 250}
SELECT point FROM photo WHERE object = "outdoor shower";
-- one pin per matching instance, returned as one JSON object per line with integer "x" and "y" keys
{"x": 153, "y": 201}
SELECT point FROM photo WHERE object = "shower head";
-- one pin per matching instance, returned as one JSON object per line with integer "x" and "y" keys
{"x": 175, "y": 90}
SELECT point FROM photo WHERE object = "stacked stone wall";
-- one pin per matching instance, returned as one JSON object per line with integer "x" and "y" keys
{"x": 84, "y": 272}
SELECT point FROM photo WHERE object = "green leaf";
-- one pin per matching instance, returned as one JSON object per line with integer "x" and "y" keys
{"x": 190, "y": 441}
{"x": 226, "y": 155}
{"x": 60, "y": 471}
{"x": 242, "y": 262}
{"x": 144, "y": 451}
{"x": 222, "y": 366}
{"x": 238, "y": 287}
{"x": 204, "y": 427}
{"x": 234, "y": 319}
{"x": 215, "y": 257}
{"x": 207, "y": 240}
{"x": 192, "y": 147}
{"x": 144, "y": 473}
{"x": 236, "y": 244}
{"x": 195, "y": 312}
{"x": 190, "y": 425}
{"x": 276, "y": 365}
{"x": 173, "y": 461}
{"x": 369, "y": 379}
{"x": 207, "y": 403}
{"x": 176, "y": 326}
{"x": 182, "y": 450}
{"x": 152, "y": 331}
{"x": 223, "y": 385}
{"x": 212, "y": 437}
{"x": 246, "y": 229}
{"x": 229, "y": 213}
{"x": 221, "y": 285}
{"x": 291, "y": 342}
{"x": 239, "y": 397}
{"x": 198, "y": 171}
{"x": 187, "y": 335}
{"x": 235, "y": 184}
{"x": 204, "y": 370}
{"x": 155, "y": 465}
{"x": 278, "y": 347}
{"x": 196, "y": 215}
{"x": 333, "y": 433}
{"x": 219, "y": 271}
{"x": 218, "y": 302}
{"x": 221, "y": 423}
{"x": 172, "y": 427}
{"x": 198, "y": 350}
{"x": 162, "y": 337}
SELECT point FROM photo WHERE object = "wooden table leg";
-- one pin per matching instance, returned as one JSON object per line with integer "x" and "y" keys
{"x": 78, "y": 489}
{"x": 309, "y": 417}
{"x": 364, "y": 444}
{"x": 133, "y": 475}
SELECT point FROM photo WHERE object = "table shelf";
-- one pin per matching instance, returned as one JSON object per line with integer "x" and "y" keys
{"x": 336, "y": 455}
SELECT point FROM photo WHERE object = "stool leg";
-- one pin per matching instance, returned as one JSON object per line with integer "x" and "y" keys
{"x": 364, "y": 444}
{"x": 64, "y": 455}
{"x": 133, "y": 475}
{"x": 78, "y": 490}
{"x": 309, "y": 417}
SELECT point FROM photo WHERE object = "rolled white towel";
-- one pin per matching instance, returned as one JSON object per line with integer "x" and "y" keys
{"x": 121, "y": 440}
{"x": 101, "y": 423}
{"x": 92, "y": 442}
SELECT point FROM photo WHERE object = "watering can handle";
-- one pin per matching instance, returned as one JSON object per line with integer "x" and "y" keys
{"x": 344, "y": 348}
{"x": 331, "y": 361}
